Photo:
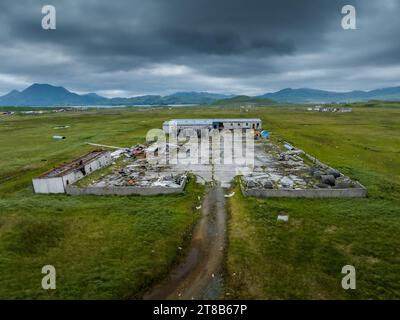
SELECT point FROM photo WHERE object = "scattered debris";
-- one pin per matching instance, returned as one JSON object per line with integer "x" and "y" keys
{"x": 283, "y": 217}
{"x": 58, "y": 137}
{"x": 288, "y": 146}
{"x": 118, "y": 153}
{"x": 229, "y": 195}
{"x": 329, "y": 109}
{"x": 139, "y": 173}
{"x": 288, "y": 170}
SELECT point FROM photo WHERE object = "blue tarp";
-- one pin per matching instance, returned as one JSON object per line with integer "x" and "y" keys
{"x": 264, "y": 134}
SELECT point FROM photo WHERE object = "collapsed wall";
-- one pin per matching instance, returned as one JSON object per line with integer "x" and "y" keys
{"x": 59, "y": 178}
{"x": 359, "y": 191}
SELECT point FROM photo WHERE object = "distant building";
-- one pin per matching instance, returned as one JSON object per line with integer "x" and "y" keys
{"x": 329, "y": 109}
{"x": 220, "y": 124}
{"x": 57, "y": 179}
{"x": 7, "y": 113}
{"x": 317, "y": 108}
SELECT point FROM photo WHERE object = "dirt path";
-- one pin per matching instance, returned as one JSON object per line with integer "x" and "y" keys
{"x": 199, "y": 275}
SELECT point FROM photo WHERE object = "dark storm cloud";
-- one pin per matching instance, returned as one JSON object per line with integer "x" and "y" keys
{"x": 158, "y": 46}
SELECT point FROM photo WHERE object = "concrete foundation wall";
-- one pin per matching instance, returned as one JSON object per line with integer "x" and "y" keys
{"x": 357, "y": 192}
{"x": 49, "y": 185}
{"x": 124, "y": 191}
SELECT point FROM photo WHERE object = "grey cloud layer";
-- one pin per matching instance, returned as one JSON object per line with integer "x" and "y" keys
{"x": 158, "y": 46}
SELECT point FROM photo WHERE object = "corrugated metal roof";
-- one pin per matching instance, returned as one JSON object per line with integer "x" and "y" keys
{"x": 200, "y": 122}
{"x": 73, "y": 165}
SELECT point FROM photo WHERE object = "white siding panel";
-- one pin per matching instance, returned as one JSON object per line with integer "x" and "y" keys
{"x": 48, "y": 185}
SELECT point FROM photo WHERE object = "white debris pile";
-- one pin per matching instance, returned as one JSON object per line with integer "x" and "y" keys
{"x": 118, "y": 153}
{"x": 277, "y": 169}
{"x": 135, "y": 151}
{"x": 139, "y": 173}
{"x": 141, "y": 176}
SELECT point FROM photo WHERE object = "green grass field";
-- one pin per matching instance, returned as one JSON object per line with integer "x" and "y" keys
{"x": 102, "y": 247}
{"x": 116, "y": 247}
{"x": 303, "y": 258}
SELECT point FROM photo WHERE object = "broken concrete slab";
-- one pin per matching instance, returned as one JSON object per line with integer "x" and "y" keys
{"x": 328, "y": 179}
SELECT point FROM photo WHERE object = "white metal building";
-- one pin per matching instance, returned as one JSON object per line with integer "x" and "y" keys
{"x": 220, "y": 124}
{"x": 56, "y": 180}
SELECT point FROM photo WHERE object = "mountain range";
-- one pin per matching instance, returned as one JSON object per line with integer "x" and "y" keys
{"x": 48, "y": 95}
{"x": 306, "y": 95}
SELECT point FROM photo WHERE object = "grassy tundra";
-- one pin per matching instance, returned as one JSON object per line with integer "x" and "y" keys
{"x": 303, "y": 258}
{"x": 116, "y": 247}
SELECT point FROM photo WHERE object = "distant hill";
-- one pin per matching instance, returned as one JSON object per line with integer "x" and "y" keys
{"x": 306, "y": 95}
{"x": 142, "y": 100}
{"x": 243, "y": 100}
{"x": 45, "y": 94}
{"x": 48, "y": 95}
{"x": 175, "y": 98}
{"x": 193, "y": 97}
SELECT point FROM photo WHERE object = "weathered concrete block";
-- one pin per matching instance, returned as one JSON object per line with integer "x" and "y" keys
{"x": 322, "y": 185}
{"x": 333, "y": 172}
{"x": 328, "y": 179}
{"x": 251, "y": 184}
{"x": 318, "y": 173}
{"x": 343, "y": 182}
{"x": 268, "y": 185}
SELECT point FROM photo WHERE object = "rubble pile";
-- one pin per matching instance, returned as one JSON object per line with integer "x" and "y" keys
{"x": 137, "y": 151}
{"x": 330, "y": 178}
{"x": 137, "y": 172}
{"x": 288, "y": 170}
{"x": 141, "y": 175}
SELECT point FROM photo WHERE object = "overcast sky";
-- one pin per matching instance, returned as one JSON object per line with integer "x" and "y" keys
{"x": 128, "y": 48}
